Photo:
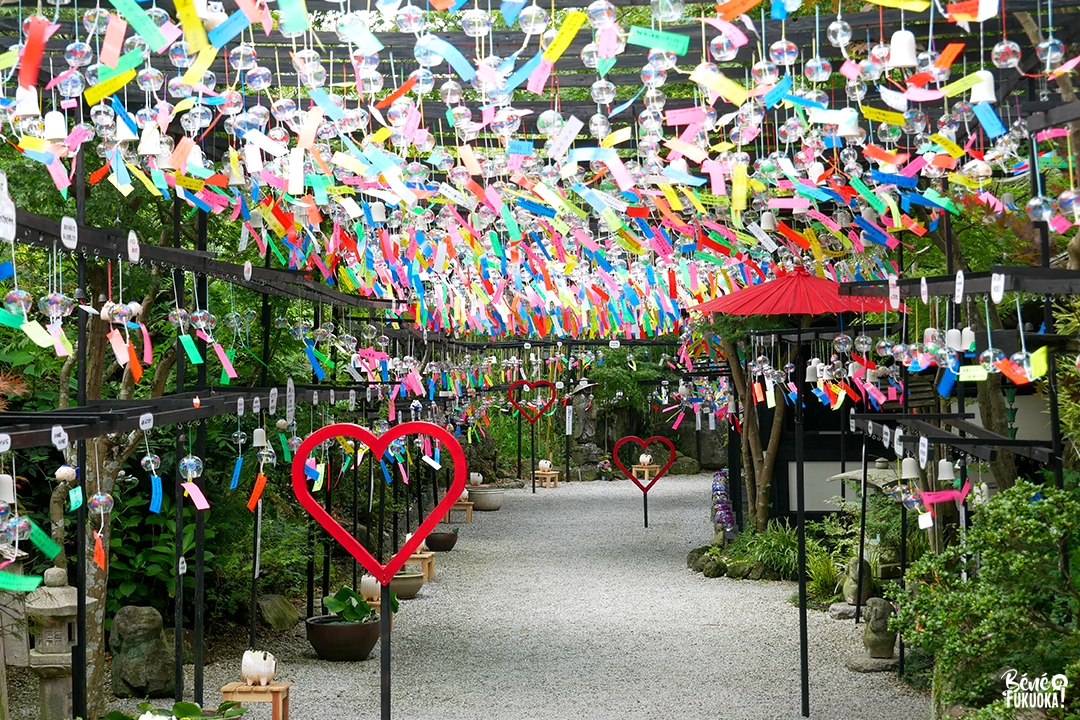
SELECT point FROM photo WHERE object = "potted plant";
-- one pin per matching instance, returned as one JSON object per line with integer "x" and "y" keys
{"x": 604, "y": 466}
{"x": 442, "y": 541}
{"x": 351, "y": 632}
{"x": 406, "y": 584}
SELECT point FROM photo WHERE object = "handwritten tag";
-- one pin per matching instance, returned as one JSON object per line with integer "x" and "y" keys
{"x": 256, "y": 405}
{"x": 997, "y": 287}
{"x": 272, "y": 405}
{"x": 958, "y": 292}
{"x": 146, "y": 421}
{"x": 898, "y": 443}
{"x": 5, "y": 442}
{"x": 894, "y": 293}
{"x": 886, "y": 436}
{"x": 926, "y": 521}
{"x": 666, "y": 41}
{"x": 75, "y": 498}
{"x": 352, "y": 400}
{"x": 181, "y": 566}
{"x": 133, "y": 247}
{"x": 59, "y": 437}
{"x": 290, "y": 400}
{"x": 924, "y": 451}
{"x": 973, "y": 373}
{"x": 69, "y": 232}
{"x": 247, "y": 270}
{"x": 240, "y": 407}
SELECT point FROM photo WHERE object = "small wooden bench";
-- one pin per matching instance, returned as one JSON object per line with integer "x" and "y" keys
{"x": 426, "y": 561}
{"x": 548, "y": 477}
{"x": 275, "y": 693}
{"x": 645, "y": 472}
{"x": 465, "y": 505}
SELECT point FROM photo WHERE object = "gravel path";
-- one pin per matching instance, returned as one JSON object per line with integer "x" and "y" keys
{"x": 561, "y": 605}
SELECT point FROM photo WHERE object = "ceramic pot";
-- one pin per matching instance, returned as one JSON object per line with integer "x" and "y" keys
{"x": 406, "y": 585}
{"x": 442, "y": 541}
{"x": 486, "y": 498}
{"x": 370, "y": 589}
{"x": 340, "y": 641}
{"x": 258, "y": 668}
{"x": 544, "y": 464}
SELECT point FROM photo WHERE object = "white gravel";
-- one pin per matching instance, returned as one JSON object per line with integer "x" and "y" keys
{"x": 561, "y": 605}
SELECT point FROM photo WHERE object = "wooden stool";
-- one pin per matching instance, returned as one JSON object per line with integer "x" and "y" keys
{"x": 548, "y": 477}
{"x": 645, "y": 472}
{"x": 465, "y": 505}
{"x": 426, "y": 561}
{"x": 275, "y": 693}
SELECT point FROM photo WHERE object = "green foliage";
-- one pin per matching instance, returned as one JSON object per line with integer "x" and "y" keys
{"x": 1016, "y": 608}
{"x": 182, "y": 711}
{"x": 823, "y": 577}
{"x": 350, "y": 607}
{"x": 776, "y": 548}
{"x": 622, "y": 386}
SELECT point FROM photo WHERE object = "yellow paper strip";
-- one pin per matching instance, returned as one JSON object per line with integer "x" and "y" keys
{"x": 672, "y": 198}
{"x": 732, "y": 91}
{"x": 619, "y": 136}
{"x": 912, "y": 5}
{"x": 965, "y": 83}
{"x": 885, "y": 116}
{"x": 947, "y": 145}
{"x": 738, "y": 187}
{"x": 95, "y": 93}
{"x": 147, "y": 183}
{"x": 202, "y": 63}
{"x": 194, "y": 32}
{"x": 571, "y": 24}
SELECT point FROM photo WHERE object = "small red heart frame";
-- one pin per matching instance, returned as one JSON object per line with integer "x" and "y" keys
{"x": 531, "y": 415}
{"x": 644, "y": 444}
{"x": 378, "y": 446}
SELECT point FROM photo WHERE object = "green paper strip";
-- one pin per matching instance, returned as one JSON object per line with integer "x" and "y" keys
{"x": 75, "y": 498}
{"x": 12, "y": 320}
{"x": 127, "y": 61}
{"x": 871, "y": 197}
{"x": 42, "y": 541}
{"x": 277, "y": 253}
{"x": 19, "y": 583}
{"x": 284, "y": 447}
{"x": 189, "y": 347}
{"x": 323, "y": 359}
{"x": 648, "y": 38}
{"x": 141, "y": 23}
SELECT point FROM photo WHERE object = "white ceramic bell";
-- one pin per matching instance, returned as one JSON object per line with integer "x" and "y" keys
{"x": 124, "y": 133}
{"x": 26, "y": 102}
{"x": 909, "y": 469}
{"x": 768, "y": 220}
{"x": 945, "y": 469}
{"x": 258, "y": 438}
{"x": 902, "y": 53}
{"x": 150, "y": 142}
{"x": 679, "y": 165}
{"x": 967, "y": 339}
{"x": 954, "y": 339}
{"x": 644, "y": 459}
{"x": 984, "y": 91}
{"x": 55, "y": 125}
{"x": 812, "y": 372}
{"x": 850, "y": 126}
{"x": 378, "y": 212}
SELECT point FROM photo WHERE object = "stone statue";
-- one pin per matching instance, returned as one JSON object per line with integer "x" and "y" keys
{"x": 588, "y": 429}
{"x": 878, "y": 639}
{"x": 580, "y": 406}
{"x": 851, "y": 581}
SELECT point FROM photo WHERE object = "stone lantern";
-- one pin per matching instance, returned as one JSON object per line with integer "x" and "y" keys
{"x": 51, "y": 611}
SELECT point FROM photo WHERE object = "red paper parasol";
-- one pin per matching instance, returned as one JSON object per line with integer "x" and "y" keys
{"x": 797, "y": 293}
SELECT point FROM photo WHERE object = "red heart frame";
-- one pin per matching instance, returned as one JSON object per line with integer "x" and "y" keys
{"x": 644, "y": 445}
{"x": 524, "y": 409}
{"x": 377, "y": 445}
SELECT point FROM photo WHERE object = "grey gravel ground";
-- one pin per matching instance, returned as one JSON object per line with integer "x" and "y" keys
{"x": 561, "y": 605}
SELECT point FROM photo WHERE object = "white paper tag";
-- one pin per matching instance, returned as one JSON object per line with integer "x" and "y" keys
{"x": 924, "y": 291}
{"x": 247, "y": 270}
{"x": 181, "y": 566}
{"x": 69, "y": 232}
{"x": 898, "y": 443}
{"x": 886, "y": 436}
{"x": 559, "y": 385}
{"x": 851, "y": 417}
{"x": 146, "y": 421}
{"x": 314, "y": 397}
{"x": 59, "y": 437}
{"x": 7, "y": 489}
{"x": 924, "y": 451}
{"x": 290, "y": 400}
{"x": 7, "y": 219}
{"x": 352, "y": 400}
{"x": 5, "y": 442}
{"x": 240, "y": 406}
{"x": 894, "y": 293}
{"x": 332, "y": 398}
{"x": 926, "y": 521}
{"x": 256, "y": 405}
{"x": 614, "y": 344}
{"x": 959, "y": 290}
{"x": 271, "y": 406}
{"x": 997, "y": 287}
{"x": 712, "y": 421}
{"x": 697, "y": 418}
{"x": 133, "y": 250}
{"x": 569, "y": 419}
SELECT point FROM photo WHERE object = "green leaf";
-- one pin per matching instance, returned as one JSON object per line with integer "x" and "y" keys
{"x": 117, "y": 715}
{"x": 127, "y": 587}
{"x": 186, "y": 710}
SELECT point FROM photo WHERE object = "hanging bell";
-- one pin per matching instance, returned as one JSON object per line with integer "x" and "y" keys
{"x": 55, "y": 126}
{"x": 954, "y": 339}
{"x": 768, "y": 221}
{"x": 258, "y": 438}
{"x": 945, "y": 470}
{"x": 984, "y": 91}
{"x": 378, "y": 212}
{"x": 909, "y": 469}
{"x": 812, "y": 372}
{"x": 124, "y": 133}
{"x": 902, "y": 53}
{"x": 967, "y": 339}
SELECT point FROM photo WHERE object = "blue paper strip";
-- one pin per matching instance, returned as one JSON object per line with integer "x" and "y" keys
{"x": 236, "y": 472}
{"x": 778, "y": 92}
{"x": 6, "y": 270}
{"x": 989, "y": 120}
{"x": 155, "y": 494}
{"x": 226, "y": 31}
{"x": 461, "y": 66}
{"x": 510, "y": 11}
{"x": 322, "y": 99}
{"x": 522, "y": 73}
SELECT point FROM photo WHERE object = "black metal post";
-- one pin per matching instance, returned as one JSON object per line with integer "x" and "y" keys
{"x": 200, "y": 450}
{"x": 178, "y": 498}
{"x": 384, "y": 650}
{"x": 310, "y": 568}
{"x": 382, "y": 507}
{"x": 519, "y": 414}
{"x": 78, "y": 650}
{"x": 734, "y": 453}
{"x": 903, "y": 571}
{"x": 532, "y": 452}
{"x": 800, "y": 495}
{"x": 256, "y": 526}
{"x": 356, "y": 507}
{"x": 569, "y": 411}
{"x": 645, "y": 506}
{"x": 328, "y": 483}
{"x": 862, "y": 531}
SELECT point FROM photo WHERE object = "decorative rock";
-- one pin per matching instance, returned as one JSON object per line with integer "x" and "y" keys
{"x": 720, "y": 539}
{"x": 842, "y": 611}
{"x": 693, "y": 555}
{"x": 715, "y": 568}
{"x": 142, "y": 665}
{"x": 684, "y": 466}
{"x": 187, "y": 640}
{"x": 851, "y": 581}
{"x": 757, "y": 572}
{"x": 878, "y": 639}
{"x": 699, "y": 564}
{"x": 863, "y": 664}
{"x": 277, "y": 613}
{"x": 738, "y": 570}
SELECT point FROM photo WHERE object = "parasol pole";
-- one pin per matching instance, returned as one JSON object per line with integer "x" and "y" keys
{"x": 800, "y": 495}
{"x": 862, "y": 533}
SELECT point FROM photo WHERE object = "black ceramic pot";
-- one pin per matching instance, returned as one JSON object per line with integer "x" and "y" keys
{"x": 341, "y": 641}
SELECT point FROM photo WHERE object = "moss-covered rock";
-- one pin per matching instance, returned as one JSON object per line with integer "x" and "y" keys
{"x": 739, "y": 570}
{"x": 684, "y": 466}
{"x": 694, "y": 554}
{"x": 715, "y": 569}
{"x": 699, "y": 564}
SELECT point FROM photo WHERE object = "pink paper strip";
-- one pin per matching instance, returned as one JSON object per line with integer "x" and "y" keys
{"x": 196, "y": 495}
{"x": 113, "y": 42}
{"x": 850, "y": 69}
{"x": 172, "y": 33}
{"x": 147, "y": 346}
{"x": 933, "y": 497}
{"x": 539, "y": 78}
{"x": 119, "y": 347}
{"x": 607, "y": 42}
{"x": 225, "y": 364}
